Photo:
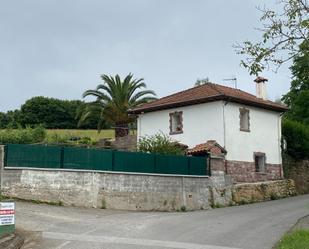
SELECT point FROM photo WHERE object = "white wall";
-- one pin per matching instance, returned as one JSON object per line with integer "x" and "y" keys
{"x": 205, "y": 121}
{"x": 200, "y": 123}
{"x": 264, "y": 135}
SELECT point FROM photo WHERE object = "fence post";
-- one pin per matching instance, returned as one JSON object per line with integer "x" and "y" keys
{"x": 188, "y": 166}
{"x": 2, "y": 159}
{"x": 61, "y": 157}
{"x": 113, "y": 160}
{"x": 155, "y": 164}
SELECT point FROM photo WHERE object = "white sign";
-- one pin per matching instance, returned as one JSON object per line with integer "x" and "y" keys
{"x": 7, "y": 213}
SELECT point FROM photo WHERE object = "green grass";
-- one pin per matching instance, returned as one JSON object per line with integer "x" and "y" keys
{"x": 93, "y": 134}
{"x": 298, "y": 239}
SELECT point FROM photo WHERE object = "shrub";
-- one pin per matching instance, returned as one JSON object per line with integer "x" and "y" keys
{"x": 22, "y": 136}
{"x": 57, "y": 138}
{"x": 160, "y": 143}
{"x": 296, "y": 136}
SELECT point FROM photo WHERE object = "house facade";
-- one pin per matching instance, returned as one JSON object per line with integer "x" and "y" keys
{"x": 248, "y": 127}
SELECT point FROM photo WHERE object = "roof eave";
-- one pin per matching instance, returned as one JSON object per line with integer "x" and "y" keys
{"x": 175, "y": 105}
{"x": 209, "y": 99}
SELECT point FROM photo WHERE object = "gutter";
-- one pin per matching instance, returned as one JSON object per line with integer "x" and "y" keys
{"x": 268, "y": 106}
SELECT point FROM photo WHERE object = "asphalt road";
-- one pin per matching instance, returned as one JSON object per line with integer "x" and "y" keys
{"x": 257, "y": 226}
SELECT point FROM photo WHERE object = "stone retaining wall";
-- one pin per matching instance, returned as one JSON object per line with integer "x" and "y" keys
{"x": 298, "y": 170}
{"x": 134, "y": 191}
{"x": 255, "y": 192}
{"x": 108, "y": 190}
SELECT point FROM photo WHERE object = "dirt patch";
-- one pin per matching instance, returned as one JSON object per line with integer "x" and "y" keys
{"x": 12, "y": 241}
{"x": 32, "y": 240}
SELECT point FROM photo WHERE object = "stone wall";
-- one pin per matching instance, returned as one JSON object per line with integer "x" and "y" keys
{"x": 122, "y": 191}
{"x": 114, "y": 190}
{"x": 217, "y": 163}
{"x": 298, "y": 170}
{"x": 127, "y": 143}
{"x": 256, "y": 192}
{"x": 245, "y": 172}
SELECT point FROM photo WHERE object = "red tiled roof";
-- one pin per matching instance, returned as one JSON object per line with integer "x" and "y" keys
{"x": 206, "y": 93}
{"x": 210, "y": 146}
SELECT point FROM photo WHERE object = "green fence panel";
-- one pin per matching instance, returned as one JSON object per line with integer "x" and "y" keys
{"x": 198, "y": 166}
{"x": 167, "y": 164}
{"x": 88, "y": 159}
{"x": 134, "y": 162}
{"x": 37, "y": 156}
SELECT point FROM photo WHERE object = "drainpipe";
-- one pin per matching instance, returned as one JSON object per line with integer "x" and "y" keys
{"x": 224, "y": 133}
{"x": 223, "y": 113}
{"x": 279, "y": 144}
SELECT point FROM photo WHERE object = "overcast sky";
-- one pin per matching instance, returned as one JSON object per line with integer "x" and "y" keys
{"x": 59, "y": 48}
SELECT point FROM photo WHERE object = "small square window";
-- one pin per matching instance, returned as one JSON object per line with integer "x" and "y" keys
{"x": 244, "y": 119}
{"x": 176, "y": 123}
{"x": 260, "y": 161}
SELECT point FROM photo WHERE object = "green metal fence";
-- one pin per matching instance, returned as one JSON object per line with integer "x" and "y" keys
{"x": 38, "y": 156}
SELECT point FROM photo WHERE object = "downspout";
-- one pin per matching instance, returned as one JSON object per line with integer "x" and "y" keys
{"x": 279, "y": 144}
{"x": 224, "y": 127}
{"x": 224, "y": 133}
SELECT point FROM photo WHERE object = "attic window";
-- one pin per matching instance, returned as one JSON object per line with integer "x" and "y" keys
{"x": 260, "y": 161}
{"x": 244, "y": 119}
{"x": 176, "y": 123}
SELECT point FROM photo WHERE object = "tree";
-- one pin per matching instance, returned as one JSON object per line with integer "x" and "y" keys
{"x": 298, "y": 96}
{"x": 116, "y": 96}
{"x": 299, "y": 69}
{"x": 296, "y": 136}
{"x": 50, "y": 112}
{"x": 13, "y": 118}
{"x": 3, "y": 120}
{"x": 282, "y": 33}
{"x": 90, "y": 116}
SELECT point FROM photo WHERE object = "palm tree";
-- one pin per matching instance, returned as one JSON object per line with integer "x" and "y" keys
{"x": 115, "y": 97}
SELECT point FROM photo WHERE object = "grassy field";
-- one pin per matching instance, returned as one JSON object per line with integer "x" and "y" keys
{"x": 93, "y": 134}
{"x": 299, "y": 239}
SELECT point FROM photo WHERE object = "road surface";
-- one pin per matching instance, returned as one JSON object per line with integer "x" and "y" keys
{"x": 255, "y": 226}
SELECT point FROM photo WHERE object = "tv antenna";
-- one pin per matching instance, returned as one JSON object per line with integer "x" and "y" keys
{"x": 234, "y": 80}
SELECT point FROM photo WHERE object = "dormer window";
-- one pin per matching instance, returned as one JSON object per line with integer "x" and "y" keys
{"x": 176, "y": 124}
{"x": 244, "y": 119}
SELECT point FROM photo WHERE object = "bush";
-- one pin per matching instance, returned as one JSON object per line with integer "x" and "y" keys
{"x": 296, "y": 136}
{"x": 161, "y": 144}
{"x": 23, "y": 136}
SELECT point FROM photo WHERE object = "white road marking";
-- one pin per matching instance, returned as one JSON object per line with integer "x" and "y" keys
{"x": 63, "y": 245}
{"x": 129, "y": 241}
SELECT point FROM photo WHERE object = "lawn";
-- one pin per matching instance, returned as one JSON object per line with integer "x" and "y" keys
{"x": 93, "y": 134}
{"x": 298, "y": 239}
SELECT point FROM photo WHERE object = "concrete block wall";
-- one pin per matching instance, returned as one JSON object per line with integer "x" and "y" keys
{"x": 108, "y": 190}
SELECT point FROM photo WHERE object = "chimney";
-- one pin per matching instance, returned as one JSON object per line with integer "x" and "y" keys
{"x": 261, "y": 87}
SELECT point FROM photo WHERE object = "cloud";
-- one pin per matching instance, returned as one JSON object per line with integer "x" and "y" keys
{"x": 60, "y": 48}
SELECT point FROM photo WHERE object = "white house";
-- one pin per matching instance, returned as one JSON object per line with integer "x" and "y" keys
{"x": 248, "y": 127}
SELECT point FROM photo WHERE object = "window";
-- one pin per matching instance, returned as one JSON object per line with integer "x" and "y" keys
{"x": 244, "y": 119}
{"x": 176, "y": 123}
{"x": 260, "y": 161}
